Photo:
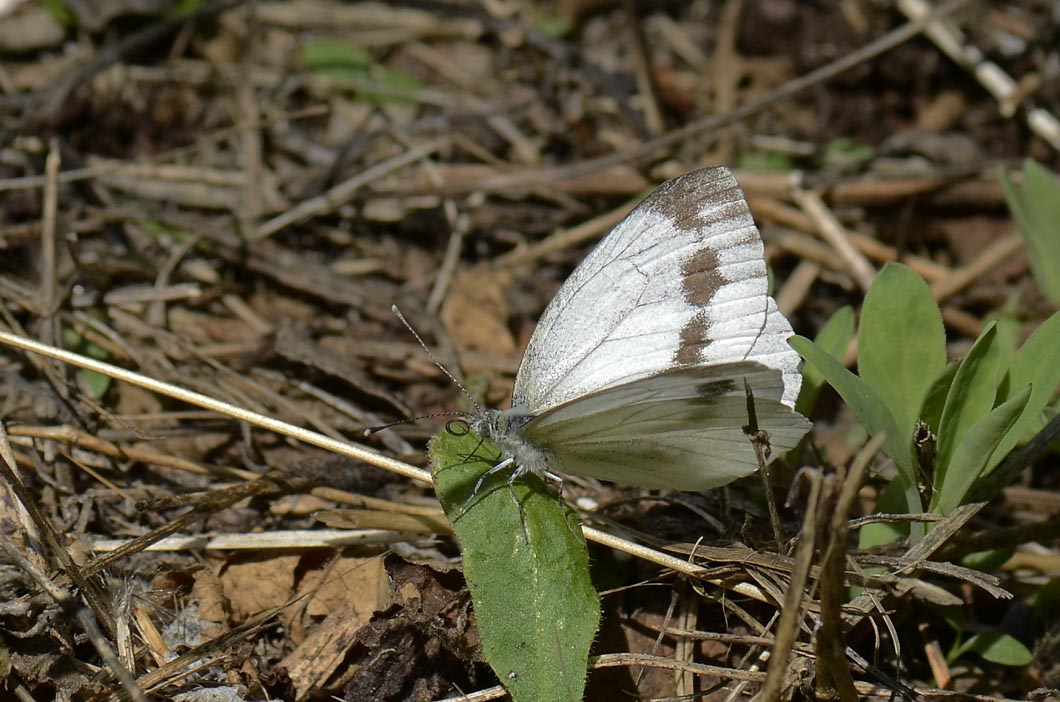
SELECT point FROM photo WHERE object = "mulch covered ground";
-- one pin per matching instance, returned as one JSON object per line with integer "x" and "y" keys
{"x": 229, "y": 197}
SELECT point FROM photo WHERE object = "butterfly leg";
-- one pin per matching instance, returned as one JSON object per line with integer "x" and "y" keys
{"x": 478, "y": 484}
{"x": 518, "y": 503}
{"x": 576, "y": 532}
{"x": 558, "y": 479}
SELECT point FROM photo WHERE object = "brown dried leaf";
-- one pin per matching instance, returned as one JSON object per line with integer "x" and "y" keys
{"x": 476, "y": 312}
{"x": 254, "y": 586}
{"x": 208, "y": 591}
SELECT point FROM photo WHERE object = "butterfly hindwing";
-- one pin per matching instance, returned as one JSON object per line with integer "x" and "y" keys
{"x": 680, "y": 429}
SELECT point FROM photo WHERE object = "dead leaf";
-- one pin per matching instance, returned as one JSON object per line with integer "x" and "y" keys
{"x": 476, "y": 312}
{"x": 254, "y": 586}
{"x": 208, "y": 592}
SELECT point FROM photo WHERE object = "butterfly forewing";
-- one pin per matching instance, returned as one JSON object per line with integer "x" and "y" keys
{"x": 680, "y": 282}
{"x": 771, "y": 349}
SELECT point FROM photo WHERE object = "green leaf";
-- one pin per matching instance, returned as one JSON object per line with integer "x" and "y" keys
{"x": 998, "y": 648}
{"x": 975, "y": 456}
{"x": 95, "y": 384}
{"x": 1035, "y": 204}
{"x": 336, "y": 58}
{"x": 866, "y": 402}
{"x": 555, "y": 26}
{"x": 61, "y": 12}
{"x": 1035, "y": 364}
{"x": 1046, "y": 598}
{"x": 935, "y": 401}
{"x": 185, "y": 8}
{"x": 988, "y": 561}
{"x": 353, "y": 65}
{"x": 954, "y": 617}
{"x": 527, "y": 568}
{"x": 971, "y": 397}
{"x": 765, "y": 161}
{"x": 901, "y": 342}
{"x": 833, "y": 339}
{"x": 846, "y": 154}
{"x": 389, "y": 85}
{"x": 1008, "y": 332}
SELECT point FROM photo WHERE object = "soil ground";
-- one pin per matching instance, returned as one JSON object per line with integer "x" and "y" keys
{"x": 230, "y": 196}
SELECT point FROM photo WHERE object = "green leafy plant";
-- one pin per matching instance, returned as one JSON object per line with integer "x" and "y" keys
{"x": 95, "y": 384}
{"x": 1035, "y": 204}
{"x": 978, "y": 408}
{"x": 61, "y": 12}
{"x": 527, "y": 567}
{"x": 845, "y": 154}
{"x": 765, "y": 160}
{"x": 994, "y": 646}
{"x": 554, "y": 26}
{"x": 345, "y": 62}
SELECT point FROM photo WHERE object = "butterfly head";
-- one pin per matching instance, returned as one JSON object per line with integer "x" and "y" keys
{"x": 503, "y": 428}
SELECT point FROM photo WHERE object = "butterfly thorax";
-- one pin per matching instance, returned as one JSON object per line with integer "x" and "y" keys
{"x": 503, "y": 427}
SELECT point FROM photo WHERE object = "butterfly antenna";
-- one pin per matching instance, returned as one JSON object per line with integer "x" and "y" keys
{"x": 369, "y": 431}
{"x": 427, "y": 350}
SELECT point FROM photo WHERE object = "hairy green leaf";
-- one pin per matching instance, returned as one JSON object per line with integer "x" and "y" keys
{"x": 1035, "y": 364}
{"x": 335, "y": 57}
{"x": 935, "y": 401}
{"x": 527, "y": 568}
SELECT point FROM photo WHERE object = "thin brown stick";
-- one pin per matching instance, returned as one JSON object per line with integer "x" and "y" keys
{"x": 989, "y": 259}
{"x": 833, "y": 673}
{"x": 787, "y": 629}
{"x": 568, "y": 238}
{"x": 797, "y": 286}
{"x": 858, "y": 267}
{"x": 344, "y": 191}
{"x": 649, "y": 99}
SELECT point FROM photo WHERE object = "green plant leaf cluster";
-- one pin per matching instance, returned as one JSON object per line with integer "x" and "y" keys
{"x": 527, "y": 567}
{"x": 345, "y": 62}
{"x": 979, "y": 407}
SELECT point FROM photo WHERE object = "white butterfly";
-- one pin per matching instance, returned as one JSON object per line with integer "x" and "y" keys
{"x": 636, "y": 372}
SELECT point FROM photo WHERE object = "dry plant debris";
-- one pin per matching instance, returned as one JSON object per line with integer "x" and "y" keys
{"x": 229, "y": 196}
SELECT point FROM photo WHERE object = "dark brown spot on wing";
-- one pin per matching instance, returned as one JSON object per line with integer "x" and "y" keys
{"x": 700, "y": 277}
{"x": 700, "y": 281}
{"x": 698, "y": 200}
{"x": 693, "y": 340}
{"x": 715, "y": 388}
{"x": 707, "y": 202}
